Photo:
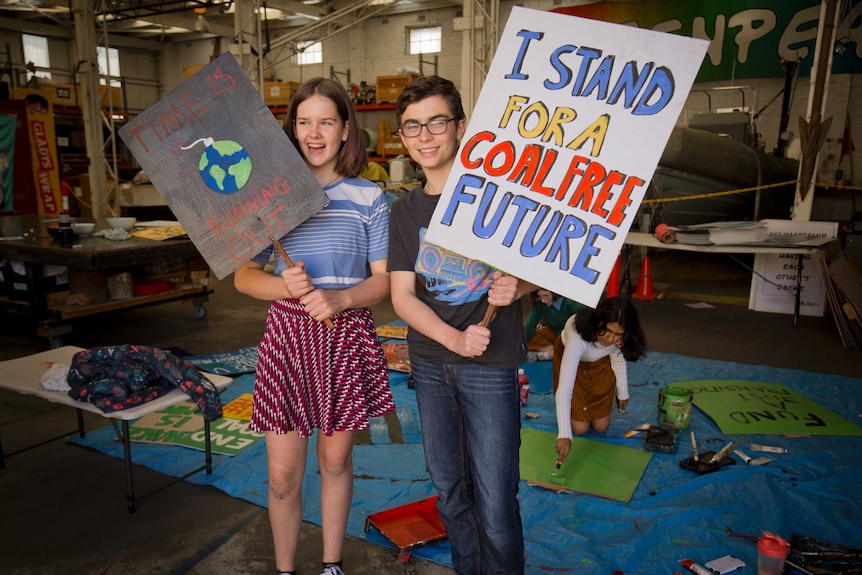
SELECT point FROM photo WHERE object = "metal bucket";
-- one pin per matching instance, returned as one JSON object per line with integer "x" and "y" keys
{"x": 674, "y": 407}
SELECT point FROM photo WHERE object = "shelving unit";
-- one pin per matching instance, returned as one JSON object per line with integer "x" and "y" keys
{"x": 88, "y": 267}
{"x": 375, "y": 123}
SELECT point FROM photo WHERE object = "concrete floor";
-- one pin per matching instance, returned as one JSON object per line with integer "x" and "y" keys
{"x": 62, "y": 507}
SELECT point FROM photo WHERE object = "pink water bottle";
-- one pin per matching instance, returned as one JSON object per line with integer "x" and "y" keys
{"x": 523, "y": 386}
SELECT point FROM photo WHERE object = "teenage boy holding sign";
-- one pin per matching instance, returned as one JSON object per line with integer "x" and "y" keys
{"x": 465, "y": 374}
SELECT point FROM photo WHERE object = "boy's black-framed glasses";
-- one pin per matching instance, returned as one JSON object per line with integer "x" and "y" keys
{"x": 435, "y": 127}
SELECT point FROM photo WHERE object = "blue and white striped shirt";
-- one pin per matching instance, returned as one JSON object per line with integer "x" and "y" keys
{"x": 338, "y": 242}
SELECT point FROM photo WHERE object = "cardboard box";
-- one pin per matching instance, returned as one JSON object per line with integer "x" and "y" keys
{"x": 67, "y": 95}
{"x": 110, "y": 96}
{"x": 389, "y": 87}
{"x": 192, "y": 69}
{"x": 278, "y": 93}
{"x": 15, "y": 283}
{"x": 389, "y": 143}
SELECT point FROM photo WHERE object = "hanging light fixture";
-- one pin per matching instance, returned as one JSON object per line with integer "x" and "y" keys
{"x": 201, "y": 24}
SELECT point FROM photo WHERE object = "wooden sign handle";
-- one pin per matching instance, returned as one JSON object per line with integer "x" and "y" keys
{"x": 489, "y": 315}
{"x": 289, "y": 263}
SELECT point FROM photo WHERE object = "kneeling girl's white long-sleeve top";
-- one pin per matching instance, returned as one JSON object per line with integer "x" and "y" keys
{"x": 578, "y": 350}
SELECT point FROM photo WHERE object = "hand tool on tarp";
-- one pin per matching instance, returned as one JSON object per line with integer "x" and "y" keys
{"x": 634, "y": 431}
{"x": 722, "y": 453}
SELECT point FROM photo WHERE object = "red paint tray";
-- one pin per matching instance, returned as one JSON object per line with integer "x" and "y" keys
{"x": 409, "y": 525}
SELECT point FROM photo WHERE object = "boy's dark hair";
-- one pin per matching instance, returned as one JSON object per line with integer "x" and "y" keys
{"x": 352, "y": 159}
{"x": 589, "y": 322}
{"x": 426, "y": 86}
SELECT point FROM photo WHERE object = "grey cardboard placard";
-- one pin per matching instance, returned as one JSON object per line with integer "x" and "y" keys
{"x": 224, "y": 165}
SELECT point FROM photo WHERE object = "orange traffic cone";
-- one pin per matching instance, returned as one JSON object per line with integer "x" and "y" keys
{"x": 613, "y": 287}
{"x": 644, "y": 290}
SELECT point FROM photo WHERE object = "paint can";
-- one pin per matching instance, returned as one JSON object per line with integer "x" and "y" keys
{"x": 674, "y": 407}
{"x": 664, "y": 234}
{"x": 523, "y": 387}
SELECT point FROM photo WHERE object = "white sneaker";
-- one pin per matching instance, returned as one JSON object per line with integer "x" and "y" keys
{"x": 332, "y": 570}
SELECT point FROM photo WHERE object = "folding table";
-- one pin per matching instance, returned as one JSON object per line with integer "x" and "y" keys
{"x": 23, "y": 375}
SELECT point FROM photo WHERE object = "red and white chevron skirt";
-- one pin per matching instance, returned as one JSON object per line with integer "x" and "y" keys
{"x": 311, "y": 376}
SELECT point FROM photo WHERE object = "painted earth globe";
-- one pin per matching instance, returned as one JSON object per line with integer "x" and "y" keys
{"x": 225, "y": 167}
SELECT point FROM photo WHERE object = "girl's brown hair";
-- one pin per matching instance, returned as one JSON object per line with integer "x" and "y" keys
{"x": 352, "y": 159}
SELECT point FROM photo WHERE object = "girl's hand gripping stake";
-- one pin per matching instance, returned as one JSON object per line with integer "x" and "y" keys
{"x": 289, "y": 263}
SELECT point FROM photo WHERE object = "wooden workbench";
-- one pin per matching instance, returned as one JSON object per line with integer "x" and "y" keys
{"x": 88, "y": 256}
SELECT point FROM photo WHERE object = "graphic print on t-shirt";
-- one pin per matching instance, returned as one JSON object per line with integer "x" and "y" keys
{"x": 449, "y": 276}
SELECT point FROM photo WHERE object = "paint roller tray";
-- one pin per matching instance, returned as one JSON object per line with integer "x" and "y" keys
{"x": 661, "y": 440}
{"x": 410, "y": 525}
{"x": 701, "y": 466}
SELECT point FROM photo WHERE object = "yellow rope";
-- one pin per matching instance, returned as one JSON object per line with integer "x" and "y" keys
{"x": 744, "y": 190}
{"x": 410, "y": 185}
{"x": 716, "y": 194}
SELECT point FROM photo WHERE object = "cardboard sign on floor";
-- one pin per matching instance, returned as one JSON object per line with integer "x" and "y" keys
{"x": 243, "y": 360}
{"x": 595, "y": 467}
{"x": 758, "y": 408}
{"x": 183, "y": 425}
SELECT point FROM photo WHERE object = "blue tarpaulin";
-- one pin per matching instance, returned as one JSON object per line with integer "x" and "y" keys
{"x": 673, "y": 514}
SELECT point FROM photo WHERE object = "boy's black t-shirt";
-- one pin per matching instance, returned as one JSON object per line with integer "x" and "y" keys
{"x": 454, "y": 286}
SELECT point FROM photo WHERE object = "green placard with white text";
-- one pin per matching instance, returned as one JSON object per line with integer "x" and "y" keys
{"x": 183, "y": 425}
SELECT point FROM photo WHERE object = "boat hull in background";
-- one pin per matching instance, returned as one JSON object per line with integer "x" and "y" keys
{"x": 696, "y": 163}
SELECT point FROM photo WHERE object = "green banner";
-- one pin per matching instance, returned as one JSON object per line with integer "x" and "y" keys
{"x": 757, "y": 408}
{"x": 595, "y": 467}
{"x": 749, "y": 38}
{"x": 183, "y": 425}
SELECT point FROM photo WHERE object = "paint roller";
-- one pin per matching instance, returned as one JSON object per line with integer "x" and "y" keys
{"x": 556, "y": 478}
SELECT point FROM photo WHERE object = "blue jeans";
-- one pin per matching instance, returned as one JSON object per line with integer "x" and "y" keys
{"x": 471, "y": 432}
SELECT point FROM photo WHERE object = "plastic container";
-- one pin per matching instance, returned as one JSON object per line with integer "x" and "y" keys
{"x": 771, "y": 553}
{"x": 523, "y": 386}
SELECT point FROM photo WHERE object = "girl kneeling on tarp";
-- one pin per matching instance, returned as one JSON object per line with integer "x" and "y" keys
{"x": 589, "y": 363}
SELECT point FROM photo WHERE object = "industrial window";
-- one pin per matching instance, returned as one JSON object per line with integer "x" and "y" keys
{"x": 309, "y": 53}
{"x": 36, "y": 51}
{"x": 425, "y": 40}
{"x": 109, "y": 65}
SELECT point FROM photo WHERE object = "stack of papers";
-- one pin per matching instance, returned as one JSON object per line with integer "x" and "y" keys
{"x": 722, "y": 233}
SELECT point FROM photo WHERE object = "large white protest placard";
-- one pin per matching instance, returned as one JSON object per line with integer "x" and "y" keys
{"x": 567, "y": 131}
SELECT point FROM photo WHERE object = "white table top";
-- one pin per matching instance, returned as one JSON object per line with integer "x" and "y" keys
{"x": 650, "y": 241}
{"x": 23, "y": 375}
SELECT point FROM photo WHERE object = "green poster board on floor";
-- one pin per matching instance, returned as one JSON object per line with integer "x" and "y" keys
{"x": 757, "y": 408}
{"x": 595, "y": 467}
